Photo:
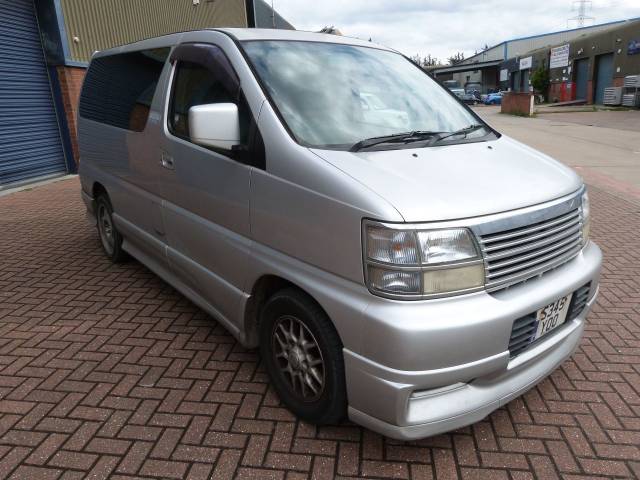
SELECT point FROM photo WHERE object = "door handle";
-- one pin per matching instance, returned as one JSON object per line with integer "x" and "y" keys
{"x": 167, "y": 162}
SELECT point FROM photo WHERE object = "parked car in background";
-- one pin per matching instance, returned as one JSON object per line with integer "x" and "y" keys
{"x": 471, "y": 98}
{"x": 493, "y": 99}
{"x": 458, "y": 92}
{"x": 451, "y": 84}
{"x": 471, "y": 87}
{"x": 414, "y": 278}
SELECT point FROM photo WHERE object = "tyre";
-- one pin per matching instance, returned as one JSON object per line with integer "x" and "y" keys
{"x": 110, "y": 238}
{"x": 303, "y": 356}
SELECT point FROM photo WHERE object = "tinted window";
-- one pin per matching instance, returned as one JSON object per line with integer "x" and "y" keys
{"x": 118, "y": 89}
{"x": 195, "y": 85}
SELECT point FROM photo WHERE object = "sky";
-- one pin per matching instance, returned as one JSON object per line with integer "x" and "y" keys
{"x": 444, "y": 27}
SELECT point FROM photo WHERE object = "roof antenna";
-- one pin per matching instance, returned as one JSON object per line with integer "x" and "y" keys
{"x": 273, "y": 15}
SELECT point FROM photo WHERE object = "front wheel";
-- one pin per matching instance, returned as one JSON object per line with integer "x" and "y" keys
{"x": 303, "y": 356}
{"x": 110, "y": 238}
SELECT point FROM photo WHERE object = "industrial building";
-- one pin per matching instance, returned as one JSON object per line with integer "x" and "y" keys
{"x": 581, "y": 69}
{"x": 46, "y": 47}
{"x": 508, "y": 65}
{"x": 595, "y": 62}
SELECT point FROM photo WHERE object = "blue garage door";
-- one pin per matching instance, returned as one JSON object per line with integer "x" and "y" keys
{"x": 30, "y": 142}
{"x": 604, "y": 75}
{"x": 581, "y": 68}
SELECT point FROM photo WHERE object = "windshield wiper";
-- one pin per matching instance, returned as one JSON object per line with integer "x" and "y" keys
{"x": 463, "y": 131}
{"x": 405, "y": 137}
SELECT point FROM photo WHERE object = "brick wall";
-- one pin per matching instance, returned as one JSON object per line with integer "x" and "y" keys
{"x": 70, "y": 84}
{"x": 555, "y": 92}
{"x": 518, "y": 103}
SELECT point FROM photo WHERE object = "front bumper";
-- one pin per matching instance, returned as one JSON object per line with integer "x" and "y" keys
{"x": 407, "y": 403}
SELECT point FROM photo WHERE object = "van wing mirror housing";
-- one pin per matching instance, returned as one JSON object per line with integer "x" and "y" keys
{"x": 213, "y": 59}
{"x": 215, "y": 125}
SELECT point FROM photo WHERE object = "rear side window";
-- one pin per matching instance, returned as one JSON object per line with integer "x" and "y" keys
{"x": 118, "y": 89}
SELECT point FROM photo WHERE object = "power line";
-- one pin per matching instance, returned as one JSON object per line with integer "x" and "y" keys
{"x": 582, "y": 7}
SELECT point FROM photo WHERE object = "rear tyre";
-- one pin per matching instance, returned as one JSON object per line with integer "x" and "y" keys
{"x": 303, "y": 356}
{"x": 110, "y": 238}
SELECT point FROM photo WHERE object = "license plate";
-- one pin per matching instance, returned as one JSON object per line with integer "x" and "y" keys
{"x": 552, "y": 316}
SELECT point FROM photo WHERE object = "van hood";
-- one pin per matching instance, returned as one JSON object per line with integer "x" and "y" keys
{"x": 458, "y": 181}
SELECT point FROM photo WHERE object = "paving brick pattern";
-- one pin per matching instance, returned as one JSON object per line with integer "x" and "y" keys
{"x": 107, "y": 371}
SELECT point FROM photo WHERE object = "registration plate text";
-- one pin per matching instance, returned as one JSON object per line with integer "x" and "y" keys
{"x": 552, "y": 316}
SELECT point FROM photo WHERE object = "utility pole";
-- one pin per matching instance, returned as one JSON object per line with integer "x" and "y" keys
{"x": 582, "y": 7}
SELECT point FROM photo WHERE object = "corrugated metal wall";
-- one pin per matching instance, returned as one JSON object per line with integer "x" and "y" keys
{"x": 493, "y": 53}
{"x": 519, "y": 47}
{"x": 98, "y": 24}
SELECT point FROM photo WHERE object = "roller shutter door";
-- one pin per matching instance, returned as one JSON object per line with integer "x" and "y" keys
{"x": 30, "y": 142}
{"x": 604, "y": 75}
{"x": 582, "y": 78}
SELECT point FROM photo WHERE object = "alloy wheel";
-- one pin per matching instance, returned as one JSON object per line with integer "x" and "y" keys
{"x": 105, "y": 227}
{"x": 298, "y": 357}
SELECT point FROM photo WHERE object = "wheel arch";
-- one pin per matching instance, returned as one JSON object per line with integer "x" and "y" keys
{"x": 264, "y": 288}
{"x": 98, "y": 189}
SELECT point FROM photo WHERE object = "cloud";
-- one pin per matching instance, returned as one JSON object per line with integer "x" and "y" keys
{"x": 441, "y": 27}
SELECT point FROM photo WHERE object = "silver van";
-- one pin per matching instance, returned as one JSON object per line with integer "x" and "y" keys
{"x": 395, "y": 259}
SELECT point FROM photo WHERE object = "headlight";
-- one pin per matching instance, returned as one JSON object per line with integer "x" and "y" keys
{"x": 405, "y": 261}
{"x": 586, "y": 220}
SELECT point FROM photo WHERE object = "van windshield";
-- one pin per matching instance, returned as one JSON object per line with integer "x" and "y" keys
{"x": 335, "y": 96}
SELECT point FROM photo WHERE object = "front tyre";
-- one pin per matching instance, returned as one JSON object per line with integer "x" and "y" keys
{"x": 303, "y": 356}
{"x": 110, "y": 238}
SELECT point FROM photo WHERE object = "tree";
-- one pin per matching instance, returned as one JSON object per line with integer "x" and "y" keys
{"x": 540, "y": 80}
{"x": 430, "y": 61}
{"x": 456, "y": 59}
{"x": 426, "y": 61}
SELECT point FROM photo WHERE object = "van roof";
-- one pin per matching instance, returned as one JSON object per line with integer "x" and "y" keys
{"x": 243, "y": 34}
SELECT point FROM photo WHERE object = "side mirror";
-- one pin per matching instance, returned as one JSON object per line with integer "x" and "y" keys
{"x": 215, "y": 125}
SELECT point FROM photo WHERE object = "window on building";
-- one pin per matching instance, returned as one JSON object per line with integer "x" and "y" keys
{"x": 195, "y": 85}
{"x": 118, "y": 89}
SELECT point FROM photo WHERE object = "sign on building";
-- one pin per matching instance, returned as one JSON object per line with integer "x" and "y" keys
{"x": 504, "y": 75}
{"x": 559, "y": 57}
{"x": 526, "y": 63}
{"x": 634, "y": 47}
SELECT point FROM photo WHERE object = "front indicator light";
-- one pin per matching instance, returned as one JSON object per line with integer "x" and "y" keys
{"x": 392, "y": 246}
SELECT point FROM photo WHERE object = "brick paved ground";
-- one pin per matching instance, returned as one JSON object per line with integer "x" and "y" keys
{"x": 106, "y": 370}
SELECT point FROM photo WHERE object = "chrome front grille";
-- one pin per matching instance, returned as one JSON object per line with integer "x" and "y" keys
{"x": 516, "y": 255}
